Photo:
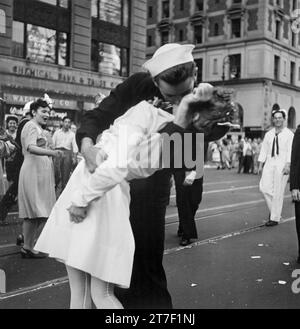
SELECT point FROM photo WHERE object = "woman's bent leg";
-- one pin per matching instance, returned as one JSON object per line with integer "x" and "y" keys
{"x": 80, "y": 283}
{"x": 103, "y": 295}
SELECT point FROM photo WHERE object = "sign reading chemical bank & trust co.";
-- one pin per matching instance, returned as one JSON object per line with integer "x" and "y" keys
{"x": 65, "y": 75}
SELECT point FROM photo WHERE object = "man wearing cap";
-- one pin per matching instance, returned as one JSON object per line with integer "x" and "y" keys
{"x": 171, "y": 75}
{"x": 274, "y": 164}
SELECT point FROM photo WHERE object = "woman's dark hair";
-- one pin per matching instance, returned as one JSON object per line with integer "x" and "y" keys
{"x": 65, "y": 118}
{"x": 177, "y": 74}
{"x": 11, "y": 118}
{"x": 38, "y": 103}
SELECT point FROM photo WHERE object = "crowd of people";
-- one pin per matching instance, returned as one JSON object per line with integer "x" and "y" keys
{"x": 114, "y": 254}
{"x": 240, "y": 153}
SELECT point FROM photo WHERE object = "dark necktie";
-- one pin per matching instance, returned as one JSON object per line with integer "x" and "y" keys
{"x": 275, "y": 142}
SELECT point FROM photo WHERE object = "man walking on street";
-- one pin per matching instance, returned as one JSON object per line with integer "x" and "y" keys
{"x": 64, "y": 140}
{"x": 275, "y": 155}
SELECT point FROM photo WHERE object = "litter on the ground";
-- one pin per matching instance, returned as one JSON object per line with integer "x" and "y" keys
{"x": 255, "y": 257}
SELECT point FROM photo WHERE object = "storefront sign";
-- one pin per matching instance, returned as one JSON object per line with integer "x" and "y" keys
{"x": 70, "y": 76}
{"x": 22, "y": 100}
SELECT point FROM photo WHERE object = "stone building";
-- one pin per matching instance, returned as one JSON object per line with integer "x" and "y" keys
{"x": 252, "y": 46}
{"x": 70, "y": 49}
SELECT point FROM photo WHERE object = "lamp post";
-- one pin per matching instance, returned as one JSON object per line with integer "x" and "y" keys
{"x": 226, "y": 60}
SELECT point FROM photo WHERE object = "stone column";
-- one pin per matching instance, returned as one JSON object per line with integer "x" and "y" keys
{"x": 81, "y": 34}
{"x": 138, "y": 35}
{"x": 6, "y": 18}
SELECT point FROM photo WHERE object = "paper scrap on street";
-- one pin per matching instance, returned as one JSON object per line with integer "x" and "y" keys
{"x": 287, "y": 264}
{"x": 255, "y": 257}
{"x": 194, "y": 285}
{"x": 282, "y": 282}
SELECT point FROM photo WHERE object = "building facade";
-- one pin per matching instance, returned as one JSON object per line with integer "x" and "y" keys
{"x": 69, "y": 49}
{"x": 252, "y": 46}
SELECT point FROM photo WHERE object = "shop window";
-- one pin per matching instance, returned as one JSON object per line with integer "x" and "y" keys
{"x": 40, "y": 44}
{"x": 112, "y": 11}
{"x": 2, "y": 21}
{"x": 60, "y": 3}
{"x": 110, "y": 59}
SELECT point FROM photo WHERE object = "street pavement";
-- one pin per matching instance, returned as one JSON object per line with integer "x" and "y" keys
{"x": 236, "y": 263}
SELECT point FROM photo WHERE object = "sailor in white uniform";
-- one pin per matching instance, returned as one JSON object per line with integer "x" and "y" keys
{"x": 274, "y": 163}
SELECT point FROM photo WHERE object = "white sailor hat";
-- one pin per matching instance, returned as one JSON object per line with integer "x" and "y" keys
{"x": 168, "y": 56}
{"x": 26, "y": 108}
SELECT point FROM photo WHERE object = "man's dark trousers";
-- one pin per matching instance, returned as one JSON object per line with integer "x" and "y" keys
{"x": 149, "y": 199}
{"x": 297, "y": 213}
{"x": 188, "y": 199}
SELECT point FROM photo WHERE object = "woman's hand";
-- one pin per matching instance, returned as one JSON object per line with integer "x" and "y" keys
{"x": 202, "y": 93}
{"x": 77, "y": 214}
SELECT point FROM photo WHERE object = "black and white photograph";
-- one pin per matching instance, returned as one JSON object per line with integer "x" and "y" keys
{"x": 149, "y": 157}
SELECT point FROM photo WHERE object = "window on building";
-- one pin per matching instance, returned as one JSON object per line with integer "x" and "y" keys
{"x": 277, "y": 29}
{"x": 150, "y": 12}
{"x": 149, "y": 41}
{"x": 181, "y": 37}
{"x": 215, "y": 66}
{"x": 292, "y": 73}
{"x": 164, "y": 37}
{"x": 109, "y": 59}
{"x": 235, "y": 66}
{"x": 216, "y": 29}
{"x": 181, "y": 5}
{"x": 2, "y": 21}
{"x": 165, "y": 9}
{"x": 237, "y": 1}
{"x": 199, "y": 5}
{"x": 199, "y": 63}
{"x": 293, "y": 39}
{"x": 236, "y": 28}
{"x": 198, "y": 34}
{"x": 112, "y": 11}
{"x": 276, "y": 67}
{"x": 284, "y": 68}
{"x": 40, "y": 44}
{"x": 60, "y": 3}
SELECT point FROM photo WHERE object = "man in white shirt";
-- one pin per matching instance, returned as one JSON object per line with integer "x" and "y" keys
{"x": 275, "y": 154}
{"x": 64, "y": 140}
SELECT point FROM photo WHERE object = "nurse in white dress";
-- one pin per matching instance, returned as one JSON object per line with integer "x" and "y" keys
{"x": 275, "y": 154}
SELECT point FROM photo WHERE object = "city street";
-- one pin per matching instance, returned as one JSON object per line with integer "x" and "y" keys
{"x": 236, "y": 262}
